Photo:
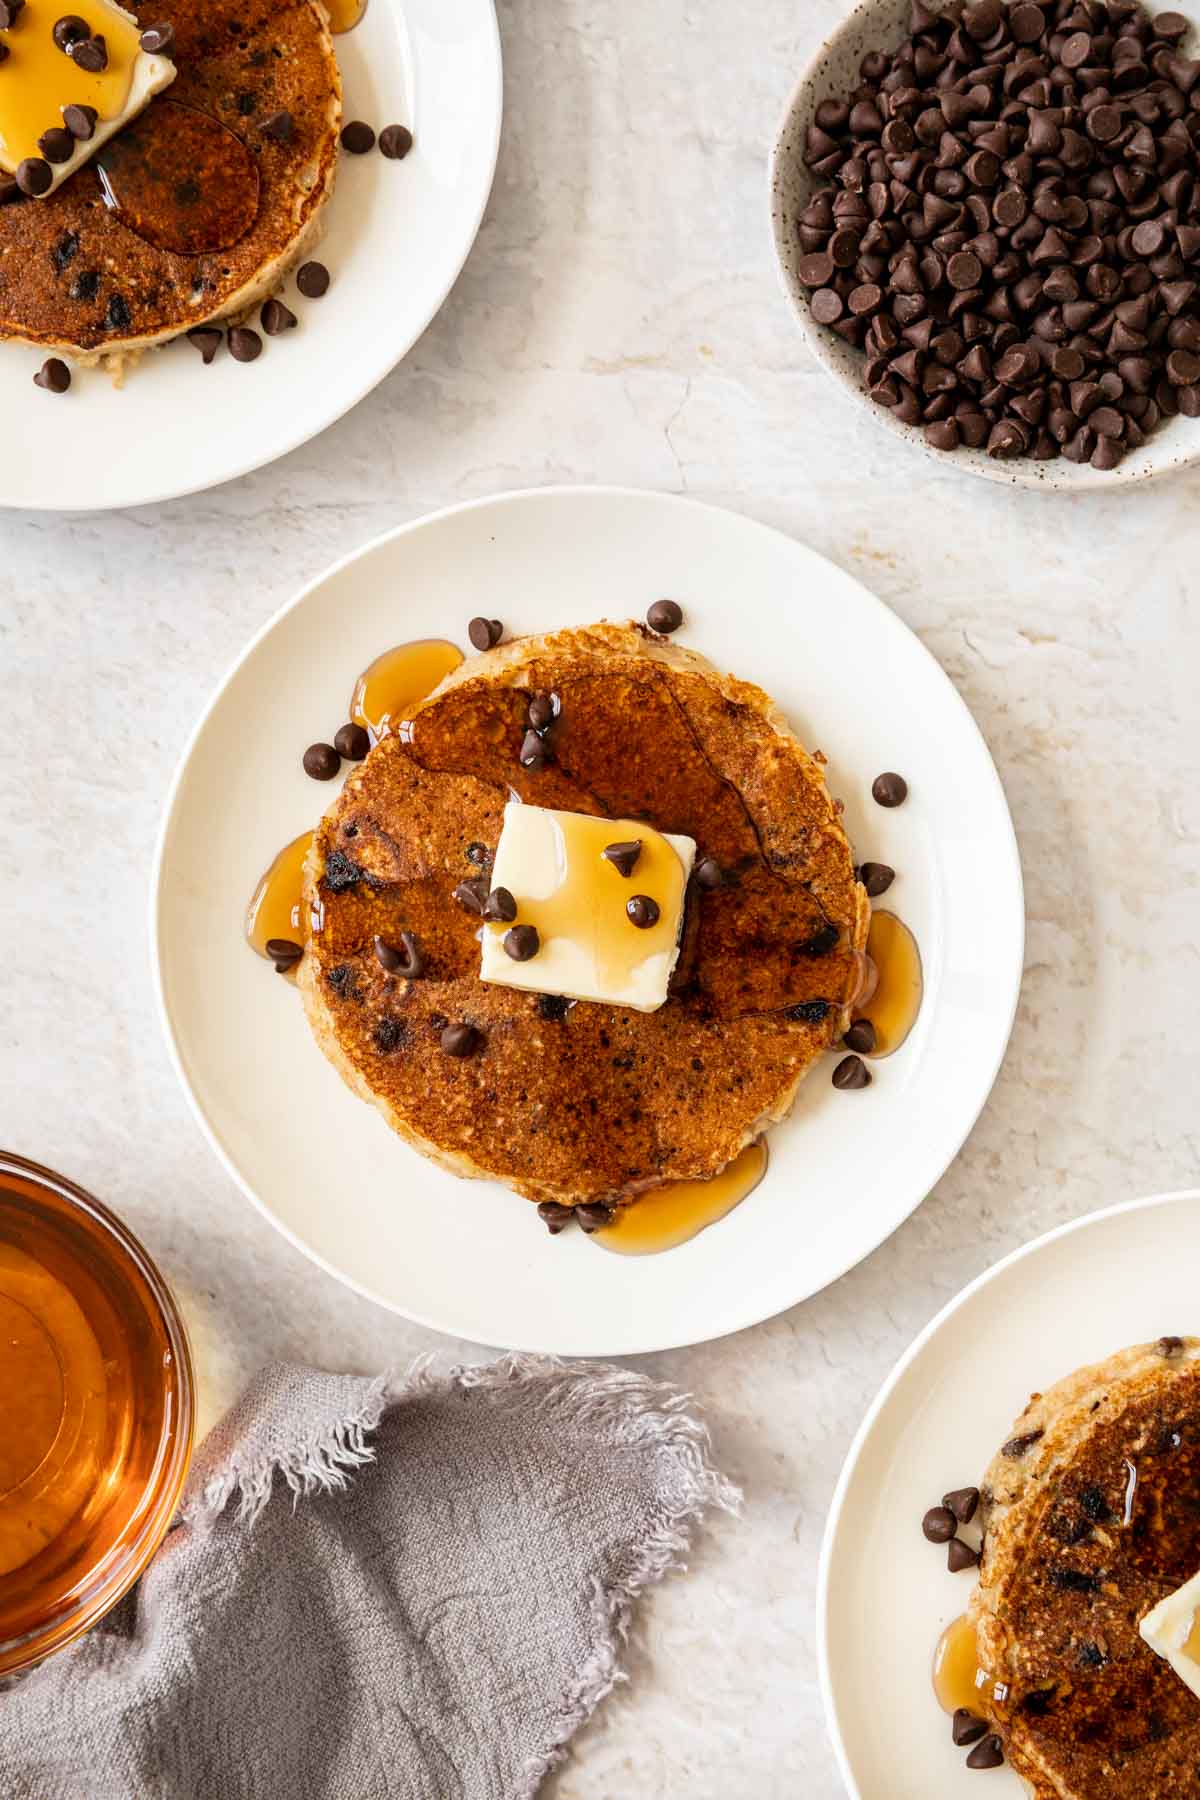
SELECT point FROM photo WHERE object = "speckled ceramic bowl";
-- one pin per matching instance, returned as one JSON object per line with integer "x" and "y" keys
{"x": 880, "y": 24}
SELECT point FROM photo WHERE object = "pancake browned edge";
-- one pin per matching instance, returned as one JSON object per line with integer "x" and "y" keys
{"x": 1091, "y": 1515}
{"x": 588, "y": 1102}
{"x": 74, "y": 278}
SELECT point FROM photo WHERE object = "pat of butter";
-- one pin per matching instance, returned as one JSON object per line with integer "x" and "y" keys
{"x": 1172, "y": 1632}
{"x": 38, "y": 81}
{"x": 554, "y": 866}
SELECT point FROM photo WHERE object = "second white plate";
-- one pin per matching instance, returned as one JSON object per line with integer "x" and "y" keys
{"x": 470, "y": 1257}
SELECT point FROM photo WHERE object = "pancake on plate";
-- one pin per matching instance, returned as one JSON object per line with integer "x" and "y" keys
{"x": 586, "y": 1102}
{"x": 1091, "y": 1519}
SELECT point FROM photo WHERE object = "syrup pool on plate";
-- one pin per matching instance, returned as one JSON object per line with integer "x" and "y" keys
{"x": 894, "y": 1002}
{"x": 276, "y": 905}
{"x": 670, "y": 1215}
{"x": 344, "y": 15}
{"x": 958, "y": 1681}
{"x": 388, "y": 692}
{"x": 95, "y": 1411}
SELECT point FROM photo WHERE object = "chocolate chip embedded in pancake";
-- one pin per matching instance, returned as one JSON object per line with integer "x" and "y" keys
{"x": 593, "y": 1101}
{"x": 1091, "y": 1514}
{"x": 74, "y": 274}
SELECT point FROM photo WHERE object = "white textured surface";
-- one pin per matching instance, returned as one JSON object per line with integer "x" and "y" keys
{"x": 619, "y": 320}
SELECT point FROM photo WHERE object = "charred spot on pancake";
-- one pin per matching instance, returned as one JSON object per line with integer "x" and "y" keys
{"x": 1091, "y": 1656}
{"x": 65, "y": 251}
{"x": 390, "y": 1034}
{"x": 809, "y": 1012}
{"x": 1069, "y": 1531}
{"x": 1073, "y": 1581}
{"x": 1094, "y": 1504}
{"x": 822, "y": 941}
{"x": 1037, "y": 1702}
{"x": 1017, "y": 1447}
{"x": 341, "y": 980}
{"x": 340, "y": 872}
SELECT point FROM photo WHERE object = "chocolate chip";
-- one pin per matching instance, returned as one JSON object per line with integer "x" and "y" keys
{"x": 553, "y": 1007}
{"x": 554, "y": 1217}
{"x": 889, "y": 789}
{"x": 960, "y": 1556}
{"x": 860, "y": 1037}
{"x": 64, "y": 252}
{"x": 207, "y": 340}
{"x": 117, "y": 316}
{"x": 594, "y": 1216}
{"x": 851, "y": 1072}
{"x": 533, "y": 753}
{"x": 665, "y": 616}
{"x": 460, "y": 1040}
{"x": 351, "y": 741}
{"x": 1094, "y": 1504}
{"x": 472, "y": 895}
{"x": 939, "y": 1525}
{"x": 1017, "y": 1447}
{"x": 395, "y": 141}
{"x": 987, "y": 1754}
{"x": 406, "y": 961}
{"x": 522, "y": 942}
{"x": 276, "y": 317}
{"x": 284, "y": 953}
{"x": 244, "y": 345}
{"x": 68, "y": 30}
{"x": 642, "y": 911}
{"x": 357, "y": 137}
{"x": 321, "y": 761}
{"x": 962, "y": 1502}
{"x": 541, "y": 711}
{"x": 809, "y": 1012}
{"x": 278, "y": 126}
{"x": 57, "y": 145}
{"x": 708, "y": 872}
{"x": 623, "y": 856}
{"x": 90, "y": 54}
{"x": 80, "y": 121}
{"x": 1169, "y": 1346}
{"x": 341, "y": 874}
{"x": 35, "y": 177}
{"x": 312, "y": 279}
{"x": 500, "y": 908}
{"x": 158, "y": 40}
{"x": 479, "y": 854}
{"x": 54, "y": 376}
{"x": 485, "y": 633}
{"x": 877, "y": 878}
{"x": 965, "y": 1728}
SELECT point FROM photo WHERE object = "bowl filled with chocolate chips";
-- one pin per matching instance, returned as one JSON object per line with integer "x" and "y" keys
{"x": 987, "y": 219}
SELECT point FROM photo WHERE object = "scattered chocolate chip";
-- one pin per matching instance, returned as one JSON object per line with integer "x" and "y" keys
{"x": 479, "y": 854}
{"x": 987, "y": 1754}
{"x": 472, "y": 896}
{"x": 877, "y": 878}
{"x": 90, "y": 54}
{"x": 158, "y": 40}
{"x": 86, "y": 285}
{"x": 965, "y": 1728}
{"x": 541, "y": 711}
{"x": 623, "y": 856}
{"x": 939, "y": 1525}
{"x": 1094, "y": 1504}
{"x": 851, "y": 1072}
{"x": 117, "y": 315}
{"x": 284, "y": 953}
{"x": 407, "y": 960}
{"x": 64, "y": 252}
{"x": 321, "y": 761}
{"x": 500, "y": 908}
{"x": 395, "y": 141}
{"x": 1169, "y": 1346}
{"x": 312, "y": 279}
{"x": 665, "y": 616}
{"x": 484, "y": 633}
{"x": 533, "y": 753}
{"x": 594, "y": 1216}
{"x": 708, "y": 872}
{"x": 1091, "y": 1656}
{"x": 351, "y": 741}
{"x": 1016, "y": 1447}
{"x": 207, "y": 340}
{"x": 460, "y": 1040}
{"x": 35, "y": 177}
{"x": 962, "y": 1502}
{"x": 809, "y": 1012}
{"x": 554, "y": 1217}
{"x": 522, "y": 942}
{"x": 276, "y": 317}
{"x": 53, "y": 375}
{"x": 278, "y": 125}
{"x": 642, "y": 911}
{"x": 244, "y": 345}
{"x": 960, "y": 1556}
{"x": 553, "y": 1007}
{"x": 57, "y": 145}
{"x": 357, "y": 137}
{"x": 9, "y": 190}
{"x": 860, "y": 1037}
{"x": 9, "y": 9}
{"x": 70, "y": 29}
{"x": 80, "y": 121}
{"x": 889, "y": 789}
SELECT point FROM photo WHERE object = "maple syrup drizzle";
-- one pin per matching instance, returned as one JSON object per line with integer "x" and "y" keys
{"x": 958, "y": 1681}
{"x": 37, "y": 80}
{"x": 344, "y": 15}
{"x": 276, "y": 909}
{"x": 389, "y": 691}
{"x": 180, "y": 179}
{"x": 672, "y": 1214}
{"x": 893, "y": 1001}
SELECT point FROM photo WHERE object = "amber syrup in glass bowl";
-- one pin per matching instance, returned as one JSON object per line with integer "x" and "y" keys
{"x": 96, "y": 1411}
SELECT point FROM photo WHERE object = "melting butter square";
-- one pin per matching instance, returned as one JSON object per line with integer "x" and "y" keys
{"x": 554, "y": 866}
{"x": 1172, "y": 1631}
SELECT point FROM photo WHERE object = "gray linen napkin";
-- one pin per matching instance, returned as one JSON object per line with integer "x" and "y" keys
{"x": 412, "y": 1588}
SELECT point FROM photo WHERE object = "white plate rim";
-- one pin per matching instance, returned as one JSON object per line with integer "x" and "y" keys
{"x": 1174, "y": 1197}
{"x": 345, "y": 399}
{"x": 752, "y": 1314}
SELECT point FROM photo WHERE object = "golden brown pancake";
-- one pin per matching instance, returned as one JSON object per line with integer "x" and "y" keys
{"x": 74, "y": 275}
{"x": 1091, "y": 1515}
{"x": 586, "y": 1102}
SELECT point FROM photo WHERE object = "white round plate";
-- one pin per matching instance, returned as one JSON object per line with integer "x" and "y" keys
{"x": 1124, "y": 1276}
{"x": 396, "y": 236}
{"x": 471, "y": 1257}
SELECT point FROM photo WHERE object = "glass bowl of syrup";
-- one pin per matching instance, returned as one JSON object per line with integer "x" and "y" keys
{"x": 96, "y": 1411}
